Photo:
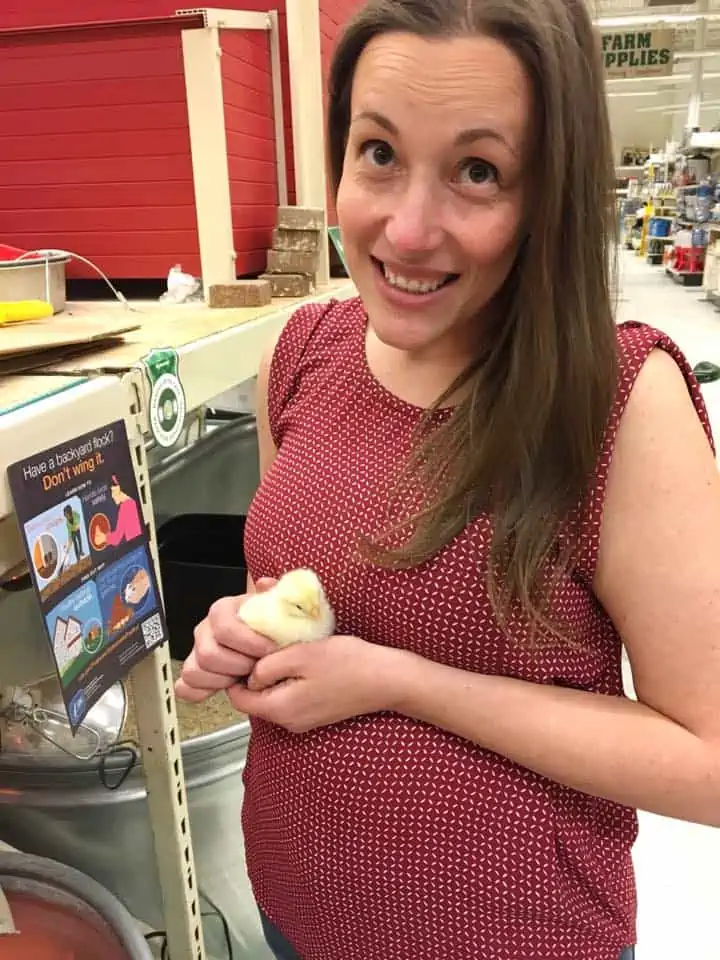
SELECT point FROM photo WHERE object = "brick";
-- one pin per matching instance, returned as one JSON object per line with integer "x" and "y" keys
{"x": 300, "y": 218}
{"x": 297, "y": 241}
{"x": 242, "y": 293}
{"x": 285, "y": 261}
{"x": 290, "y": 285}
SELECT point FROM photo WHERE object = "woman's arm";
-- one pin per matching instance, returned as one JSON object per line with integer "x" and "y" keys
{"x": 658, "y": 577}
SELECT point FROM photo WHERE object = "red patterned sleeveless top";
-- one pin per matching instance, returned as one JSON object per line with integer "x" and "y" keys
{"x": 383, "y": 838}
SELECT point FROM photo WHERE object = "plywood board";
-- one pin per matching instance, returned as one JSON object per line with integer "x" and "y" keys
{"x": 165, "y": 325}
{"x": 64, "y": 330}
{"x": 18, "y": 392}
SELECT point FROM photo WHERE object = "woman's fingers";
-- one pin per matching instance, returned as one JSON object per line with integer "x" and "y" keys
{"x": 230, "y": 632}
{"x": 225, "y": 650}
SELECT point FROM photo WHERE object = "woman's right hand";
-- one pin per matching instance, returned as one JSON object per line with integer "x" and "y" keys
{"x": 224, "y": 651}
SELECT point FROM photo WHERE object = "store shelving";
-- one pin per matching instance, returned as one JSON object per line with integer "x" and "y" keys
{"x": 217, "y": 350}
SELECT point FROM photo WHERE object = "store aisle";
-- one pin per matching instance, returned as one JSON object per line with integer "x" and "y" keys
{"x": 677, "y": 864}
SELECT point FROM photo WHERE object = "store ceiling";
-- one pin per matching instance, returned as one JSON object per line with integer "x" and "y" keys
{"x": 685, "y": 34}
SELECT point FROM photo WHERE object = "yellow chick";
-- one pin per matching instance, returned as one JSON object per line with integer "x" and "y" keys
{"x": 295, "y": 610}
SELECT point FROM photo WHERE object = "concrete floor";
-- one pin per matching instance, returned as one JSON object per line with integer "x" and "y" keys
{"x": 677, "y": 864}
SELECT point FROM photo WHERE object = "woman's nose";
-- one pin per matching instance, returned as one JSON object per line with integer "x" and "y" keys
{"x": 414, "y": 226}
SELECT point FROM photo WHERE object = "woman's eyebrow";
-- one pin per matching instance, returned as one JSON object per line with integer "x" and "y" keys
{"x": 463, "y": 138}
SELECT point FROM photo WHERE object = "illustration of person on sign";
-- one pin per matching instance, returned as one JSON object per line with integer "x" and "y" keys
{"x": 73, "y": 523}
{"x": 128, "y": 525}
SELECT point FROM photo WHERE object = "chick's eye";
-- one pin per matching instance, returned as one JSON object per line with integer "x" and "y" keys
{"x": 479, "y": 172}
{"x": 378, "y": 153}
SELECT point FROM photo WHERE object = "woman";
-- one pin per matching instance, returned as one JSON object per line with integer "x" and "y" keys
{"x": 498, "y": 488}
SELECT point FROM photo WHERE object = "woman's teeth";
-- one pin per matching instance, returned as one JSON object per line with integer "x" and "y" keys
{"x": 413, "y": 286}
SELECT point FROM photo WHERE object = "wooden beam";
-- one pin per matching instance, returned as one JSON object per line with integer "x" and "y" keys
{"x": 208, "y": 146}
{"x": 278, "y": 109}
{"x": 306, "y": 85}
{"x": 229, "y": 19}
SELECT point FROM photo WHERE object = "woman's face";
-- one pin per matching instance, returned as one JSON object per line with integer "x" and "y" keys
{"x": 432, "y": 195}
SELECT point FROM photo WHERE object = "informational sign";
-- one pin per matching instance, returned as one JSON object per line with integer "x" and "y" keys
{"x": 87, "y": 547}
{"x": 639, "y": 53}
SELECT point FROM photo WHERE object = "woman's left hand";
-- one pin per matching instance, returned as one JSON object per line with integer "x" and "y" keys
{"x": 310, "y": 685}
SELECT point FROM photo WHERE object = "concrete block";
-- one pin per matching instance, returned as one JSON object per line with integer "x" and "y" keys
{"x": 242, "y": 293}
{"x": 296, "y": 241}
{"x": 290, "y": 285}
{"x": 300, "y": 218}
{"x": 287, "y": 261}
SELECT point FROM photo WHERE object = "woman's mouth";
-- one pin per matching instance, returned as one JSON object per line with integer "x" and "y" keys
{"x": 415, "y": 286}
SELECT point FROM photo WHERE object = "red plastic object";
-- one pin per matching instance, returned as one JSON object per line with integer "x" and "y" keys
{"x": 13, "y": 253}
{"x": 48, "y": 931}
{"x": 689, "y": 259}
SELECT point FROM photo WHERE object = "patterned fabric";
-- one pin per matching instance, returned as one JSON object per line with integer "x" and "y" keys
{"x": 383, "y": 838}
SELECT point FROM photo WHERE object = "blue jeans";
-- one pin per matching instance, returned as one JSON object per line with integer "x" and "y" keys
{"x": 285, "y": 951}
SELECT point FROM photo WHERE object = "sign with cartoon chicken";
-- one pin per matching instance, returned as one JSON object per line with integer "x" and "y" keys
{"x": 88, "y": 551}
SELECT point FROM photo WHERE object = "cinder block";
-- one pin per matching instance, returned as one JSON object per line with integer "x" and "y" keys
{"x": 242, "y": 293}
{"x": 286, "y": 261}
{"x": 300, "y": 218}
{"x": 289, "y": 285}
{"x": 296, "y": 241}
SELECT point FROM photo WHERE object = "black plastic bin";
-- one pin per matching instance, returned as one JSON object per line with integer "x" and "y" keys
{"x": 201, "y": 560}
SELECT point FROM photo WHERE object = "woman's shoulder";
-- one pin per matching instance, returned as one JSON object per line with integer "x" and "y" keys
{"x": 317, "y": 337}
{"x": 649, "y": 355}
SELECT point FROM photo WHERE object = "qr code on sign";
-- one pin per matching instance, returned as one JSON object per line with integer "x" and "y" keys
{"x": 152, "y": 631}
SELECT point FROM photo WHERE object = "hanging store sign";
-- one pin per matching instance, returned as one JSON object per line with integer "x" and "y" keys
{"x": 639, "y": 53}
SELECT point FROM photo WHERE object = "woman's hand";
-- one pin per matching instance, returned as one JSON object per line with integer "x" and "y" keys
{"x": 310, "y": 685}
{"x": 225, "y": 650}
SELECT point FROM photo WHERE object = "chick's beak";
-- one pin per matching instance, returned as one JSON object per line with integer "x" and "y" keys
{"x": 313, "y": 610}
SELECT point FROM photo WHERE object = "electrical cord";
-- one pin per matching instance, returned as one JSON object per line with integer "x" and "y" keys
{"x": 221, "y": 917}
{"x": 123, "y": 748}
{"x": 76, "y": 256}
{"x": 217, "y": 913}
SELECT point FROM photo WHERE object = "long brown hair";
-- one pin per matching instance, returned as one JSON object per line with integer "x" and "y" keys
{"x": 523, "y": 443}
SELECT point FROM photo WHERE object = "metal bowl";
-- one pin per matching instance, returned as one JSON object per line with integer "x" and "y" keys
{"x": 45, "y": 729}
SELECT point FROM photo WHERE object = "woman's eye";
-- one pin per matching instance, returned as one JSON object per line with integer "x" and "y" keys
{"x": 378, "y": 152}
{"x": 479, "y": 172}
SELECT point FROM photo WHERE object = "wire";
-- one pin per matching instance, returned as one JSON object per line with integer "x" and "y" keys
{"x": 221, "y": 917}
{"x": 76, "y": 256}
{"x": 159, "y": 935}
{"x": 217, "y": 913}
{"x": 122, "y": 748}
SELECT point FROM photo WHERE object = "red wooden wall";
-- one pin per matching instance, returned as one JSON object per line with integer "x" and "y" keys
{"x": 94, "y": 150}
{"x": 95, "y": 156}
{"x": 334, "y": 14}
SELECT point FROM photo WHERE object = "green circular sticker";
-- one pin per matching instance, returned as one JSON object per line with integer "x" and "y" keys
{"x": 167, "y": 409}
{"x": 167, "y": 397}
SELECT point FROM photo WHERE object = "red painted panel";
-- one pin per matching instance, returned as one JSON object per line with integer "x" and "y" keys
{"x": 95, "y": 149}
{"x": 247, "y": 89}
{"x": 88, "y": 197}
{"x": 334, "y": 14}
{"x": 110, "y": 112}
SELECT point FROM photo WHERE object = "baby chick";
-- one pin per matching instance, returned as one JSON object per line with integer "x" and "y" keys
{"x": 294, "y": 610}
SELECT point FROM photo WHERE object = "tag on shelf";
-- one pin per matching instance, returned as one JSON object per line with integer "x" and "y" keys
{"x": 167, "y": 397}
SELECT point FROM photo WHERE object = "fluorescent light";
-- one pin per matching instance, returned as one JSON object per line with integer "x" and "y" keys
{"x": 697, "y": 54}
{"x": 672, "y": 19}
{"x": 671, "y": 78}
{"x": 634, "y": 93}
{"x": 676, "y": 108}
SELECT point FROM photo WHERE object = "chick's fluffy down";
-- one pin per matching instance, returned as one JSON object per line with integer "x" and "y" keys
{"x": 295, "y": 610}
